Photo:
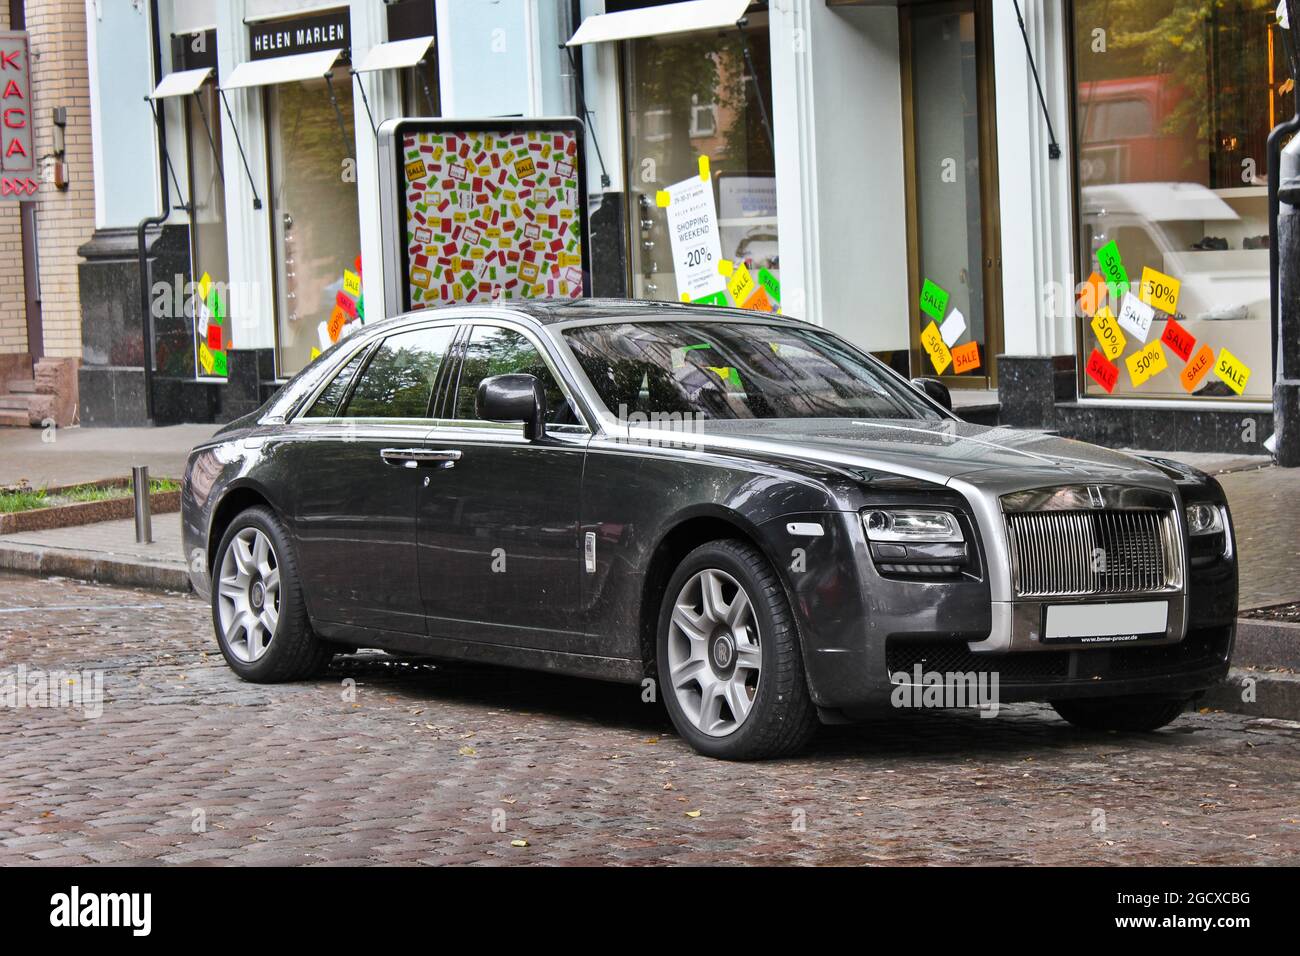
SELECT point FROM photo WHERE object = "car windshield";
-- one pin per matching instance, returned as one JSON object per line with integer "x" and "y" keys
{"x": 731, "y": 370}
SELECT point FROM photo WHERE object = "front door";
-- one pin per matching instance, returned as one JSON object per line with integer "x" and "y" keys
{"x": 500, "y": 554}
{"x": 954, "y": 242}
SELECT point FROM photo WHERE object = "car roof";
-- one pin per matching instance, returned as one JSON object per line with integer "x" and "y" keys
{"x": 559, "y": 311}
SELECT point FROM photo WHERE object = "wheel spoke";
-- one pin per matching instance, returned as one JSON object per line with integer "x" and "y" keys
{"x": 738, "y": 611}
{"x": 712, "y": 693}
{"x": 233, "y": 588}
{"x": 243, "y": 555}
{"x": 688, "y": 670}
{"x": 713, "y": 606}
{"x": 268, "y": 618}
{"x": 261, "y": 554}
{"x": 748, "y": 656}
{"x": 692, "y": 625}
{"x": 738, "y": 699}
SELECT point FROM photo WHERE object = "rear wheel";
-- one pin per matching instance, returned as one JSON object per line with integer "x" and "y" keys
{"x": 729, "y": 656}
{"x": 1143, "y": 712}
{"x": 257, "y": 605}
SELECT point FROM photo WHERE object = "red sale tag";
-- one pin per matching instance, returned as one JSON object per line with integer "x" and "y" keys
{"x": 1180, "y": 341}
{"x": 344, "y": 302}
{"x": 214, "y": 336}
{"x": 1102, "y": 371}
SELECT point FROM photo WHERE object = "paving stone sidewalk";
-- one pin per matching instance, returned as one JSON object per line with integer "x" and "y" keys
{"x": 449, "y": 764}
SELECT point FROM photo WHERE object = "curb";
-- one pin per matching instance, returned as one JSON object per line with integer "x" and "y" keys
{"x": 1276, "y": 695}
{"x": 1263, "y": 643}
{"x": 46, "y": 562}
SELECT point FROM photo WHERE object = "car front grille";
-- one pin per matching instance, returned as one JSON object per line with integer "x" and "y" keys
{"x": 1093, "y": 552}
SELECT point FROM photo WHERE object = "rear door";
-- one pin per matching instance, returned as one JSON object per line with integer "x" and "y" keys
{"x": 359, "y": 478}
{"x": 500, "y": 549}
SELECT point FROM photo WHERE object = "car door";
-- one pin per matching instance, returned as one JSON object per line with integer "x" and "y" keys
{"x": 499, "y": 544}
{"x": 358, "y": 478}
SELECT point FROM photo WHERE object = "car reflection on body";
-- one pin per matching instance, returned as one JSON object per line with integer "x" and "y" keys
{"x": 771, "y": 525}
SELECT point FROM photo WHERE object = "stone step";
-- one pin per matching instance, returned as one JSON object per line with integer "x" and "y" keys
{"x": 14, "y": 419}
{"x": 15, "y": 403}
{"x": 25, "y": 385}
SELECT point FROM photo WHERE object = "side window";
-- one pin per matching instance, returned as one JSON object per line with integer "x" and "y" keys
{"x": 327, "y": 402}
{"x": 496, "y": 351}
{"x": 398, "y": 382}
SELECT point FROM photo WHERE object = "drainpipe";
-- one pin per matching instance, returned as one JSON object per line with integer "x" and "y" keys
{"x": 1284, "y": 183}
{"x": 146, "y": 314}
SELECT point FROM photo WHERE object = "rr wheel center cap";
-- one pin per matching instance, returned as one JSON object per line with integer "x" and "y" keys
{"x": 257, "y": 595}
{"x": 724, "y": 651}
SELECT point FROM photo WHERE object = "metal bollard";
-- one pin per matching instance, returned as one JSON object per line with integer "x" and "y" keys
{"x": 140, "y": 488}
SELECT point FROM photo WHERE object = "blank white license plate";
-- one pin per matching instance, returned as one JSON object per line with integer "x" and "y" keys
{"x": 1105, "y": 623}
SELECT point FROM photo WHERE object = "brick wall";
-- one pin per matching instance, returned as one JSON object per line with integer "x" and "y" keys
{"x": 13, "y": 319}
{"x": 65, "y": 219}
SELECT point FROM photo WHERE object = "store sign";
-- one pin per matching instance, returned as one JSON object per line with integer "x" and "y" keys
{"x": 18, "y": 179}
{"x": 325, "y": 31}
{"x": 696, "y": 241}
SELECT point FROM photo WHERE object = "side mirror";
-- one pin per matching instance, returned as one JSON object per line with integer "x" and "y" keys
{"x": 513, "y": 398}
{"x": 935, "y": 390}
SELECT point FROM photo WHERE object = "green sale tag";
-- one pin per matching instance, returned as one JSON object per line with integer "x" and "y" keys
{"x": 1112, "y": 270}
{"x": 934, "y": 300}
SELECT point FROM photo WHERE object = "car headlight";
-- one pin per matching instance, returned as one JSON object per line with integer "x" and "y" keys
{"x": 1204, "y": 519}
{"x": 911, "y": 525}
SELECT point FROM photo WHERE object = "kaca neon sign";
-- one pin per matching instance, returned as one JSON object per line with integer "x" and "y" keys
{"x": 17, "y": 149}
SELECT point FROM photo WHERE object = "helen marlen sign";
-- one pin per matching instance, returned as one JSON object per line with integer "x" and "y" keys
{"x": 17, "y": 145}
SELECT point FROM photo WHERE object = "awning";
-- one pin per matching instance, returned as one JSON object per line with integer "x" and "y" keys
{"x": 180, "y": 83}
{"x": 397, "y": 55}
{"x": 659, "y": 21}
{"x": 281, "y": 69}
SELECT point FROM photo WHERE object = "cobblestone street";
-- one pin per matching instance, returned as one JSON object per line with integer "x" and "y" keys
{"x": 426, "y": 759}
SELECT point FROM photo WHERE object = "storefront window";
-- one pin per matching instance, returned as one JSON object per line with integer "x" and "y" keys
{"x": 208, "y": 252}
{"x": 692, "y": 95}
{"x": 1175, "y": 99}
{"x": 316, "y": 234}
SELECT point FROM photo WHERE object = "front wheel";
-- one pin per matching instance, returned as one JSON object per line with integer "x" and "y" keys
{"x": 729, "y": 657}
{"x": 257, "y": 605}
{"x": 1136, "y": 714}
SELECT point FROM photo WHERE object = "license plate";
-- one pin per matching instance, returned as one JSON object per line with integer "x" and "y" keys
{"x": 1105, "y": 623}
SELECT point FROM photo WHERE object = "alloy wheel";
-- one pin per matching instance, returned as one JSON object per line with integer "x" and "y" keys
{"x": 248, "y": 591}
{"x": 714, "y": 658}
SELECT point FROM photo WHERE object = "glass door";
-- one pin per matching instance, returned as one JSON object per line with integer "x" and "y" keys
{"x": 954, "y": 243}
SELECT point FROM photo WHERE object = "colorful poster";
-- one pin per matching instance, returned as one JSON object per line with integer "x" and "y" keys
{"x": 211, "y": 331}
{"x": 492, "y": 214}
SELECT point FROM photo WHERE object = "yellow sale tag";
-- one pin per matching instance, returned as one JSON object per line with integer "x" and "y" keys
{"x": 704, "y": 168}
{"x": 1159, "y": 290}
{"x": 525, "y": 167}
{"x": 351, "y": 283}
{"x": 663, "y": 199}
{"x": 1232, "y": 370}
{"x": 1109, "y": 337}
{"x": 932, "y": 339}
{"x": 741, "y": 285}
{"x": 1146, "y": 362}
{"x": 726, "y": 267}
{"x": 315, "y": 353}
{"x": 204, "y": 284}
{"x": 415, "y": 171}
{"x": 205, "y": 357}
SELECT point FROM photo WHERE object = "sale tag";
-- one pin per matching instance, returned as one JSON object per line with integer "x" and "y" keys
{"x": 934, "y": 300}
{"x": 1135, "y": 316}
{"x": 351, "y": 283}
{"x": 525, "y": 167}
{"x": 953, "y": 327}
{"x": 214, "y": 337}
{"x": 1102, "y": 371}
{"x": 415, "y": 171}
{"x": 1109, "y": 336}
{"x": 205, "y": 358}
{"x": 1180, "y": 341}
{"x": 204, "y": 283}
{"x": 1195, "y": 370}
{"x": 932, "y": 339}
{"x": 741, "y": 285}
{"x": 1112, "y": 269}
{"x": 1232, "y": 371}
{"x": 965, "y": 357}
{"x": 716, "y": 298}
{"x": 663, "y": 198}
{"x": 758, "y": 302}
{"x": 1145, "y": 363}
{"x": 338, "y": 319}
{"x": 219, "y": 364}
{"x": 344, "y": 302}
{"x": 1159, "y": 290}
{"x": 315, "y": 353}
{"x": 1092, "y": 294}
{"x": 771, "y": 283}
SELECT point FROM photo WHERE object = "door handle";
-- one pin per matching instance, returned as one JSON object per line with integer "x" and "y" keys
{"x": 414, "y": 457}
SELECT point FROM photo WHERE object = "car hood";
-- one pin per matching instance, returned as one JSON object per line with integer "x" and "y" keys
{"x": 934, "y": 451}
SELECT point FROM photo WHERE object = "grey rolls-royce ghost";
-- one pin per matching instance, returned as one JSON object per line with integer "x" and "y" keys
{"x": 745, "y": 515}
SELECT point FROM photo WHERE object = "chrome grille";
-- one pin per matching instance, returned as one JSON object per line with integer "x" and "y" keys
{"x": 1093, "y": 552}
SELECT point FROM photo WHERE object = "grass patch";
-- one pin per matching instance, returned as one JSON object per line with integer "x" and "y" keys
{"x": 29, "y": 499}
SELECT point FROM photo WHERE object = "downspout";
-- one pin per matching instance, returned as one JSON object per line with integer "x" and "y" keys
{"x": 146, "y": 324}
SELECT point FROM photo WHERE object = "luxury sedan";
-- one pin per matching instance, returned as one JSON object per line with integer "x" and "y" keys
{"x": 745, "y": 515}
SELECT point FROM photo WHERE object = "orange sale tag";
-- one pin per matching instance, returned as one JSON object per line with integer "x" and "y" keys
{"x": 1092, "y": 294}
{"x": 965, "y": 357}
{"x": 338, "y": 318}
{"x": 1195, "y": 370}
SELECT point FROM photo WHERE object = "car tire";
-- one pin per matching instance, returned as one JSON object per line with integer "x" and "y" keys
{"x": 1137, "y": 714}
{"x": 257, "y": 604}
{"x": 722, "y": 655}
